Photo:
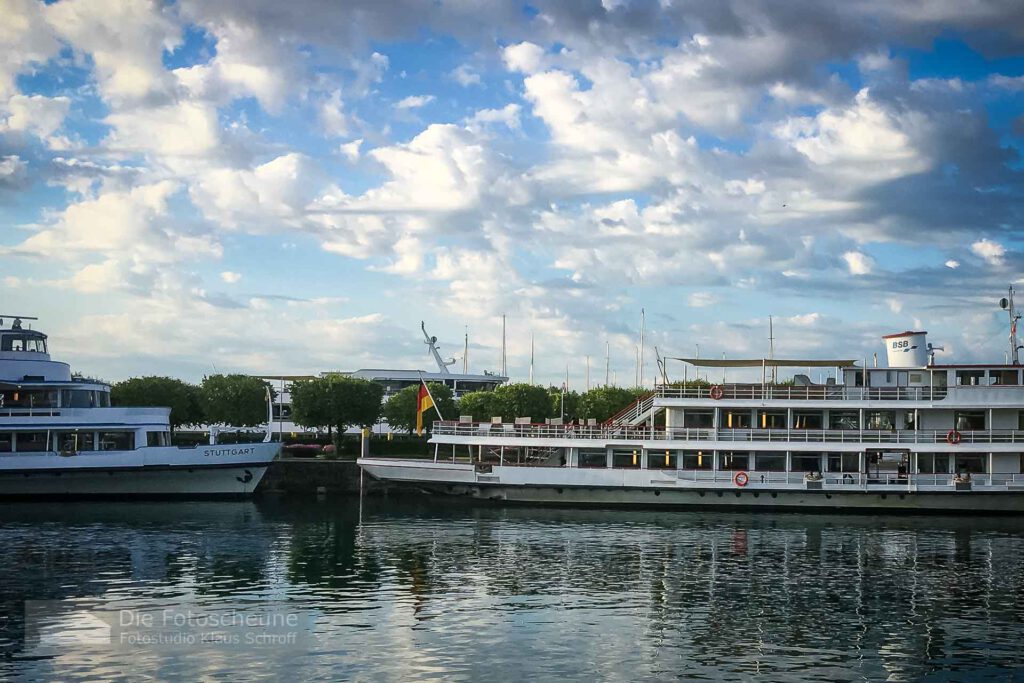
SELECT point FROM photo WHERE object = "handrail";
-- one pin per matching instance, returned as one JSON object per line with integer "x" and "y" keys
{"x": 821, "y": 392}
{"x": 647, "y": 433}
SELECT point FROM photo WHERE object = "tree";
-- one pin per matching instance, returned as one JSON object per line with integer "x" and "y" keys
{"x": 603, "y": 402}
{"x": 522, "y": 400}
{"x": 236, "y": 400}
{"x": 564, "y": 404}
{"x": 400, "y": 410}
{"x": 164, "y": 392}
{"x": 479, "y": 404}
{"x": 336, "y": 401}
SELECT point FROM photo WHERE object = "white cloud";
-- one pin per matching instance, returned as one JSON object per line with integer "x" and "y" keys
{"x": 507, "y": 116}
{"x": 35, "y": 114}
{"x": 414, "y": 101}
{"x": 12, "y": 168}
{"x": 895, "y": 305}
{"x": 702, "y": 299}
{"x": 230, "y": 277}
{"x": 858, "y": 263}
{"x": 524, "y": 57}
{"x": 952, "y": 264}
{"x": 465, "y": 76}
{"x": 992, "y": 252}
{"x": 351, "y": 149}
{"x": 332, "y": 116}
{"x": 185, "y": 129}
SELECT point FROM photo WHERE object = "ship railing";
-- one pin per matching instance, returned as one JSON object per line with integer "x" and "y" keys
{"x": 648, "y": 433}
{"x": 29, "y": 412}
{"x": 758, "y": 392}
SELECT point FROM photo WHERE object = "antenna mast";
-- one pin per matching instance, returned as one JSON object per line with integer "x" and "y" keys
{"x": 431, "y": 342}
{"x": 465, "y": 354}
{"x": 771, "y": 349}
{"x": 1007, "y": 305}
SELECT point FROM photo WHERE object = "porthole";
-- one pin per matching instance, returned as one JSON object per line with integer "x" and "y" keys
{"x": 559, "y": 490}
{"x": 720, "y": 494}
{"x": 657, "y": 493}
{"x": 756, "y": 494}
{"x": 738, "y": 494}
{"x": 774, "y": 495}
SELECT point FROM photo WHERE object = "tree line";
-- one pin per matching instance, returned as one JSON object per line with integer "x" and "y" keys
{"x": 337, "y": 402}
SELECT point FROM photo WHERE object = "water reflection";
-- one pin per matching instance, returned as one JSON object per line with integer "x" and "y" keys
{"x": 426, "y": 589}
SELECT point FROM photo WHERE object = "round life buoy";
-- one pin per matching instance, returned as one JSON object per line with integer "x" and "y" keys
{"x": 716, "y": 392}
{"x": 953, "y": 437}
{"x": 740, "y": 479}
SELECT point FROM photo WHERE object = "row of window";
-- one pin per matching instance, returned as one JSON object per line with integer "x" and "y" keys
{"x": 20, "y": 342}
{"x": 963, "y": 420}
{"x": 54, "y": 398}
{"x": 928, "y": 463}
{"x": 73, "y": 441}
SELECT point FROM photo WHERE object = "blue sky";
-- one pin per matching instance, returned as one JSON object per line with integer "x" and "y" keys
{"x": 282, "y": 188}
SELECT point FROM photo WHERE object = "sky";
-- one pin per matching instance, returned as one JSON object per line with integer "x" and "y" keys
{"x": 210, "y": 186}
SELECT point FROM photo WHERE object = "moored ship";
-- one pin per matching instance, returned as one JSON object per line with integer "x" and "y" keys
{"x": 915, "y": 436}
{"x": 59, "y": 436}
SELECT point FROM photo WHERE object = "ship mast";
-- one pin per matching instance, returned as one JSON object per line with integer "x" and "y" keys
{"x": 431, "y": 342}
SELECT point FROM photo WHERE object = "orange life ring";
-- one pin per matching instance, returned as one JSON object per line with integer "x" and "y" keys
{"x": 740, "y": 479}
{"x": 717, "y": 392}
{"x": 953, "y": 437}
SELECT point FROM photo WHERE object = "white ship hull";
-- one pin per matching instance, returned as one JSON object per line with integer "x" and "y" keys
{"x": 204, "y": 471}
{"x": 652, "y": 488}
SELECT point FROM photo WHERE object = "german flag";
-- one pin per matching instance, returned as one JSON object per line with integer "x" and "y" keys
{"x": 423, "y": 403}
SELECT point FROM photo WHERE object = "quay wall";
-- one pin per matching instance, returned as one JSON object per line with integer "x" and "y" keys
{"x": 310, "y": 476}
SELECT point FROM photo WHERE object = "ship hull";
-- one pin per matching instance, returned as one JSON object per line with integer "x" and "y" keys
{"x": 582, "y": 488}
{"x": 159, "y": 472}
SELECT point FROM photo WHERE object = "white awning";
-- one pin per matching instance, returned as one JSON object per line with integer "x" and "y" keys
{"x": 766, "y": 362}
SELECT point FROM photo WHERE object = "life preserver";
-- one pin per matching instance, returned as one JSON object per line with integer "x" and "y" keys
{"x": 716, "y": 392}
{"x": 953, "y": 437}
{"x": 740, "y": 479}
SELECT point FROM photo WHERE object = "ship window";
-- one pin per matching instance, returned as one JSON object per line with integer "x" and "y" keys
{"x": 933, "y": 463}
{"x": 806, "y": 463}
{"x": 17, "y": 344}
{"x": 916, "y": 378}
{"x": 117, "y": 441}
{"x": 593, "y": 458}
{"x": 158, "y": 439}
{"x": 969, "y": 420}
{"x": 1005, "y": 377}
{"x": 698, "y": 419}
{"x": 1020, "y": 420}
{"x": 770, "y": 462}
{"x": 697, "y": 460}
{"x": 728, "y": 460}
{"x": 662, "y": 460}
{"x": 31, "y": 442}
{"x": 843, "y": 419}
{"x": 803, "y": 420}
{"x": 82, "y": 399}
{"x": 880, "y": 419}
{"x": 771, "y": 419}
{"x": 736, "y": 419}
{"x": 975, "y": 464}
{"x": 842, "y": 462}
{"x": 969, "y": 377}
{"x": 6, "y": 442}
{"x": 628, "y": 458}
{"x": 104, "y": 398}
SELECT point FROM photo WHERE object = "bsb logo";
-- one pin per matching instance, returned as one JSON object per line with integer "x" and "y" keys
{"x": 903, "y": 344}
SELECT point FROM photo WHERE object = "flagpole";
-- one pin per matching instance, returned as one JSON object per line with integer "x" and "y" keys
{"x": 431, "y": 397}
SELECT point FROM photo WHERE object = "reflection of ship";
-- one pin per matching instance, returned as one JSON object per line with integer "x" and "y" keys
{"x": 59, "y": 436}
{"x": 391, "y": 380}
{"x": 911, "y": 436}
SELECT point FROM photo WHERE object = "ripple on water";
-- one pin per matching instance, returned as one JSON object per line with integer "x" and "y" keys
{"x": 426, "y": 589}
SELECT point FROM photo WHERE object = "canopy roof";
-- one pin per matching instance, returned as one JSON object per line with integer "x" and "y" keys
{"x": 766, "y": 362}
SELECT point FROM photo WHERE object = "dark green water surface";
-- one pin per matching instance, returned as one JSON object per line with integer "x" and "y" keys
{"x": 425, "y": 589}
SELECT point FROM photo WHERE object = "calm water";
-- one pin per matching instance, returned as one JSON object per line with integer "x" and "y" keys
{"x": 424, "y": 589}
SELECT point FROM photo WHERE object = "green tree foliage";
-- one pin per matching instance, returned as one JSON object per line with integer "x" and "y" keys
{"x": 165, "y": 392}
{"x": 400, "y": 410}
{"x": 336, "y": 401}
{"x": 479, "y": 404}
{"x": 603, "y": 402}
{"x": 522, "y": 400}
{"x": 236, "y": 400}
{"x": 564, "y": 404}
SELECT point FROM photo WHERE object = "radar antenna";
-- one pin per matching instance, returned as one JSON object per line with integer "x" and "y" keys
{"x": 1006, "y": 303}
{"x": 431, "y": 342}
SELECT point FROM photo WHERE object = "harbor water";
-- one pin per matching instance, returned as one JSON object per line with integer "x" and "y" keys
{"x": 407, "y": 588}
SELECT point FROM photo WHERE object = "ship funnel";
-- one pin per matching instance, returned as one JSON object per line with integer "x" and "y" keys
{"x": 906, "y": 349}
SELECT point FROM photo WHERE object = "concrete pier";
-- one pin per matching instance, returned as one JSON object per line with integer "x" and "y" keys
{"x": 310, "y": 476}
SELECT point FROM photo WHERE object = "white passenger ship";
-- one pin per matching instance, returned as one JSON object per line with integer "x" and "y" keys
{"x": 915, "y": 436}
{"x": 59, "y": 436}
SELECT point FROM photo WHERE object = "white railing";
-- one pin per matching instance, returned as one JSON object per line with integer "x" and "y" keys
{"x": 647, "y": 433}
{"x": 757, "y": 392}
